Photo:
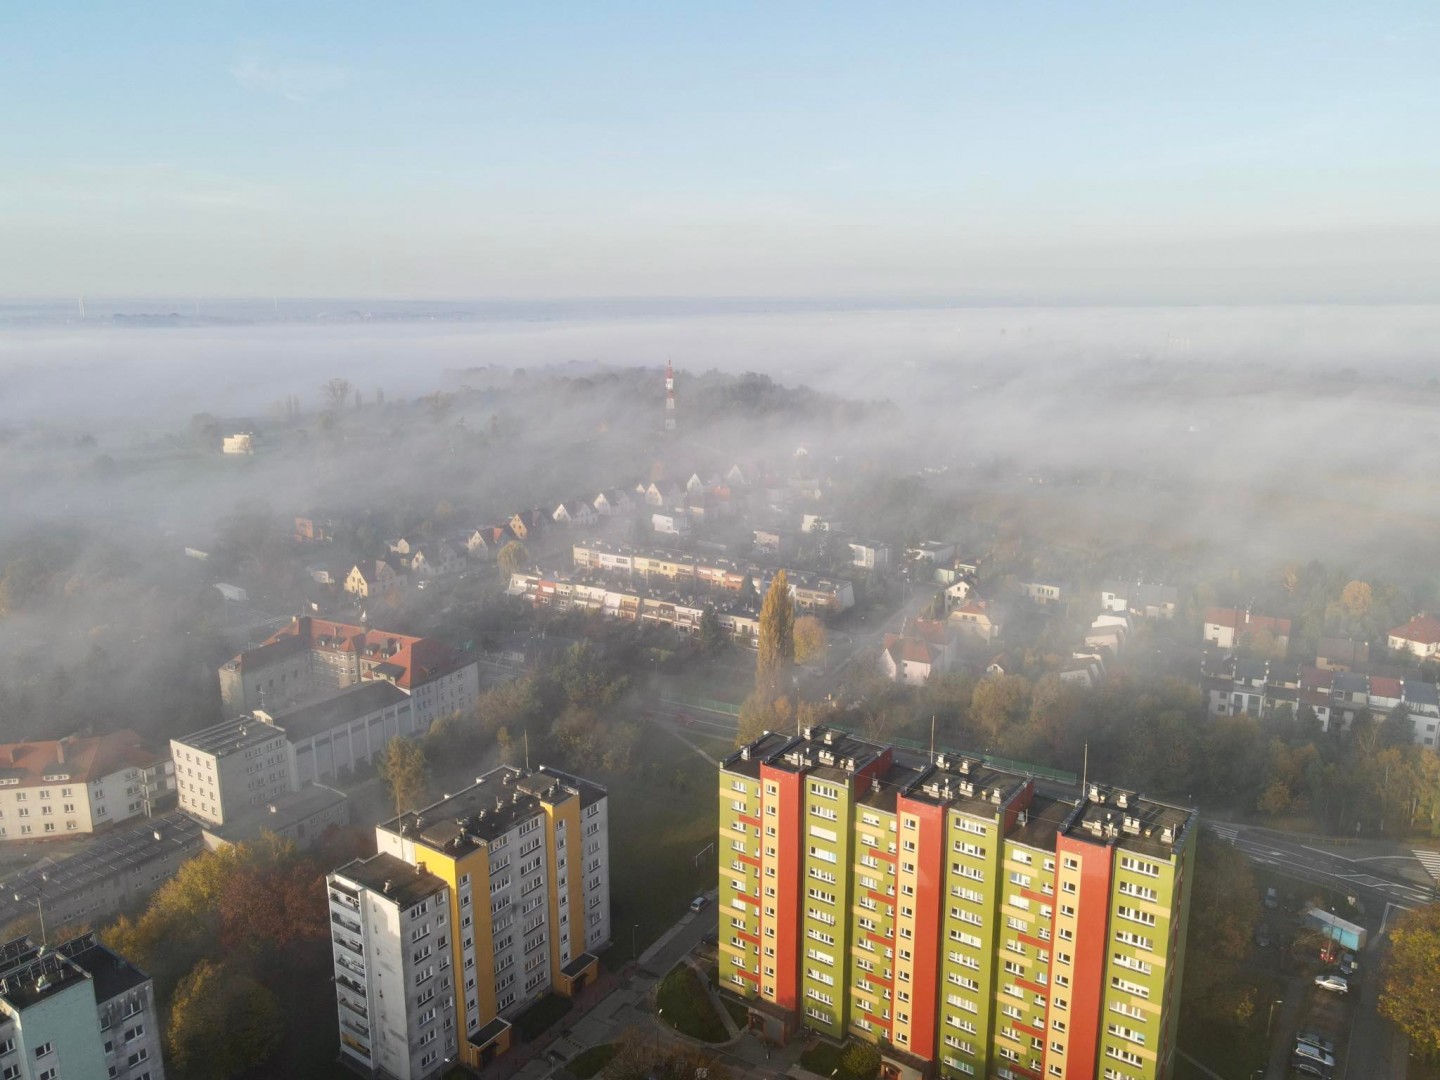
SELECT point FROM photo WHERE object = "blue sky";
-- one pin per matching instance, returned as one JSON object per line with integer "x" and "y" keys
{"x": 1049, "y": 151}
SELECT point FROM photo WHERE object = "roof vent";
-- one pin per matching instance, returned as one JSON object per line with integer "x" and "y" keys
{"x": 745, "y": 753}
{"x": 940, "y": 761}
{"x": 387, "y": 887}
{"x": 1095, "y": 794}
{"x": 1167, "y": 835}
{"x": 1122, "y": 800}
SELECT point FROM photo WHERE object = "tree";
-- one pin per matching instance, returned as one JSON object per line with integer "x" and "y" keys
{"x": 337, "y": 392}
{"x": 404, "y": 768}
{"x": 1410, "y": 994}
{"x": 439, "y": 405}
{"x": 810, "y": 639}
{"x": 222, "y": 1023}
{"x": 1224, "y": 907}
{"x": 1397, "y": 729}
{"x": 777, "y": 638}
{"x": 513, "y": 557}
{"x": 860, "y": 1060}
{"x": 1356, "y": 599}
{"x": 712, "y": 633}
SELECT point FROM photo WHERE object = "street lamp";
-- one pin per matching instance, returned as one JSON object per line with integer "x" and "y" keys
{"x": 40, "y": 907}
{"x": 1271, "y": 1017}
{"x": 632, "y": 940}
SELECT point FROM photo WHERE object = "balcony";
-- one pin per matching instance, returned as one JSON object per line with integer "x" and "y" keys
{"x": 358, "y": 950}
{"x": 346, "y": 924}
{"x": 358, "y": 1010}
{"x": 347, "y": 901}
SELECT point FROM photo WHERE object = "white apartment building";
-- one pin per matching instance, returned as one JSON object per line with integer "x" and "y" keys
{"x": 76, "y": 1012}
{"x": 78, "y": 785}
{"x": 227, "y": 769}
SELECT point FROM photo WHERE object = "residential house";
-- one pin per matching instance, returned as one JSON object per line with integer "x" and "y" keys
{"x": 736, "y": 477}
{"x": 371, "y": 577}
{"x": 934, "y": 552}
{"x": 671, "y": 524}
{"x": 959, "y": 591}
{"x": 810, "y": 523}
{"x": 664, "y": 493}
{"x": 1230, "y": 628}
{"x": 1083, "y": 669}
{"x": 910, "y": 659}
{"x": 435, "y": 558}
{"x": 1421, "y": 636}
{"x": 314, "y": 528}
{"x": 242, "y": 442}
{"x": 869, "y": 554}
{"x": 776, "y": 542}
{"x": 614, "y": 502}
{"x": 529, "y": 524}
{"x": 575, "y": 512}
{"x": 974, "y": 619}
{"x": 1147, "y": 600}
{"x": 1045, "y": 593}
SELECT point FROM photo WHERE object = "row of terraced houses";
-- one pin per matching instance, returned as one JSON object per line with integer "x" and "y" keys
{"x": 971, "y": 921}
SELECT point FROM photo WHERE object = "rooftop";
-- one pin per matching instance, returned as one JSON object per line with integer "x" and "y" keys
{"x": 113, "y": 975}
{"x": 351, "y": 703}
{"x": 1130, "y": 821}
{"x": 392, "y": 878}
{"x": 489, "y": 808}
{"x": 230, "y": 737}
{"x": 75, "y": 759}
{"x": 1423, "y": 630}
{"x": 283, "y": 813}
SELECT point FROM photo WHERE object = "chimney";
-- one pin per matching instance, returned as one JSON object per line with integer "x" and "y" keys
{"x": 60, "y": 752}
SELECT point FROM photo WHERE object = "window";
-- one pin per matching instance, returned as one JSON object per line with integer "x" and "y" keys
{"x": 43, "y": 1049}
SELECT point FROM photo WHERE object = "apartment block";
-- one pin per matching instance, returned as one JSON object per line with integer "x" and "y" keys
{"x": 226, "y": 769}
{"x": 973, "y": 922}
{"x": 312, "y": 659}
{"x": 473, "y": 909}
{"x": 78, "y": 785}
{"x": 76, "y": 1012}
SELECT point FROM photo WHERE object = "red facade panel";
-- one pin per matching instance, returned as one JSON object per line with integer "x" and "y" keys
{"x": 1088, "y": 952}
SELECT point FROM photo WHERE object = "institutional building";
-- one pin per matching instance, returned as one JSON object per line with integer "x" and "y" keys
{"x": 76, "y": 785}
{"x": 226, "y": 769}
{"x": 314, "y": 659}
{"x": 76, "y": 1011}
{"x": 472, "y": 909}
{"x": 967, "y": 921}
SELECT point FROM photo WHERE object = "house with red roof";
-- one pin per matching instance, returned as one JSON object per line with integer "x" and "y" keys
{"x": 1421, "y": 636}
{"x": 911, "y": 658}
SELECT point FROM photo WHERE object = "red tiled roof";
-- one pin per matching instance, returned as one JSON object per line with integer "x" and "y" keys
{"x": 420, "y": 659}
{"x": 85, "y": 759}
{"x": 1383, "y": 687}
{"x": 1316, "y": 678}
{"x": 1423, "y": 630}
{"x": 1240, "y": 619}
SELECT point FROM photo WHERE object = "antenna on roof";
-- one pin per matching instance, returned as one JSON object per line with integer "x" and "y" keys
{"x": 527, "y": 750}
{"x": 932, "y": 737}
{"x": 1085, "y": 773}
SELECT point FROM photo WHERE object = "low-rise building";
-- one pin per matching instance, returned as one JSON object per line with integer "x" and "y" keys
{"x": 113, "y": 873}
{"x": 76, "y": 1011}
{"x": 1045, "y": 593}
{"x": 302, "y": 816}
{"x": 1146, "y": 600}
{"x": 79, "y": 784}
{"x": 242, "y": 442}
{"x": 869, "y": 554}
{"x": 974, "y": 619}
{"x": 1420, "y": 636}
{"x": 1230, "y": 628}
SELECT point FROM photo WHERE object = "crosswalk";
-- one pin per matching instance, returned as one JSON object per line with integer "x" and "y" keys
{"x": 1227, "y": 833}
{"x": 1431, "y": 861}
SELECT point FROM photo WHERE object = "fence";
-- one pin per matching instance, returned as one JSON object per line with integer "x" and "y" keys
{"x": 706, "y": 704}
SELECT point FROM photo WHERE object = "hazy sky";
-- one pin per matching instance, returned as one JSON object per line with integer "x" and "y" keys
{"x": 1000, "y": 151}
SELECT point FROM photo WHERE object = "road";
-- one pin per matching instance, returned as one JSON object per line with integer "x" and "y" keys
{"x": 1381, "y": 880}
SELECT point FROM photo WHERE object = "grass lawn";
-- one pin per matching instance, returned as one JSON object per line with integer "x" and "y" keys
{"x": 663, "y": 813}
{"x": 738, "y": 1012}
{"x": 537, "y": 1019}
{"x": 589, "y": 1062}
{"x": 686, "y": 1007}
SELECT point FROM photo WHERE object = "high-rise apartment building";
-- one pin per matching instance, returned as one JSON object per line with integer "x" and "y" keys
{"x": 969, "y": 920}
{"x": 472, "y": 909}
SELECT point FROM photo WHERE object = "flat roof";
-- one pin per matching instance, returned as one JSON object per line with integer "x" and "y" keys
{"x": 392, "y": 878}
{"x": 281, "y": 813}
{"x": 497, "y": 802}
{"x": 112, "y": 973}
{"x": 1130, "y": 821}
{"x": 231, "y": 736}
{"x": 352, "y": 703}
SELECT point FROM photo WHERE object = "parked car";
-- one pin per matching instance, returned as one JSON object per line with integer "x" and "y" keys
{"x": 1310, "y": 1068}
{"x": 1262, "y": 936}
{"x": 1334, "y": 983}
{"x": 1314, "y": 1053}
{"x": 1349, "y": 965}
{"x": 698, "y": 904}
{"x": 1315, "y": 1039}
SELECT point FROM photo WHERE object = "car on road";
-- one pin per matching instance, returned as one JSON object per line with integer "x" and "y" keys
{"x": 1262, "y": 936}
{"x": 698, "y": 904}
{"x": 1336, "y": 984}
{"x": 1310, "y": 1068}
